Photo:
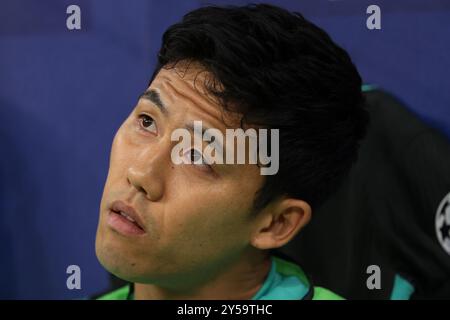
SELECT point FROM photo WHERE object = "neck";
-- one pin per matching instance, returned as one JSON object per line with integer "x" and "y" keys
{"x": 240, "y": 281}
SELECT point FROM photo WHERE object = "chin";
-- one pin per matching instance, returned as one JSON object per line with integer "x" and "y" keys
{"x": 118, "y": 261}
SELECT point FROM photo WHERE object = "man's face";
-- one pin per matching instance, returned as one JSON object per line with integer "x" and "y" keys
{"x": 194, "y": 218}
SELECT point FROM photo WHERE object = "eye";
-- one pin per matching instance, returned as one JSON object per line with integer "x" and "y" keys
{"x": 147, "y": 123}
{"x": 193, "y": 156}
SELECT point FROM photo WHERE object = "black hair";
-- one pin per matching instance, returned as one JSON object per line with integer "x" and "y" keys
{"x": 281, "y": 71}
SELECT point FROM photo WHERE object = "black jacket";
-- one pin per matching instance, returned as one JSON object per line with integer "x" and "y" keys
{"x": 385, "y": 213}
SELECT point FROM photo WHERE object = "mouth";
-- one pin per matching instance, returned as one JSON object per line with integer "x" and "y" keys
{"x": 125, "y": 220}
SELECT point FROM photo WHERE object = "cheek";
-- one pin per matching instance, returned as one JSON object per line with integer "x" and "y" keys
{"x": 121, "y": 150}
{"x": 123, "y": 154}
{"x": 204, "y": 217}
{"x": 117, "y": 167}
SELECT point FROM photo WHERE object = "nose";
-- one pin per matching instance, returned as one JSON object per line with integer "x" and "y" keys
{"x": 147, "y": 173}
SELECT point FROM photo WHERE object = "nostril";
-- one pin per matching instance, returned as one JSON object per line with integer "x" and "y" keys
{"x": 142, "y": 190}
{"x": 136, "y": 185}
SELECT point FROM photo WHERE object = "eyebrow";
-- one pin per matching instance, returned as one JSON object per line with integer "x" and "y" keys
{"x": 154, "y": 97}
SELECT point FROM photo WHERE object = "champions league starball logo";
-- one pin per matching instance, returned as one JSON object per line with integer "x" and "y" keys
{"x": 443, "y": 223}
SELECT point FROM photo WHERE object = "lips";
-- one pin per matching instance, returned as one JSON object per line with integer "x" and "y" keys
{"x": 124, "y": 219}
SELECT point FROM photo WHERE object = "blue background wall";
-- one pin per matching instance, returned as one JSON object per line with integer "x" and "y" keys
{"x": 64, "y": 93}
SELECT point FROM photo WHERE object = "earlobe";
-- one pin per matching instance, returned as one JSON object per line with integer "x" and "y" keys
{"x": 281, "y": 223}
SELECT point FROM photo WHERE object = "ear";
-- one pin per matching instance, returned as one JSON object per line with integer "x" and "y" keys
{"x": 280, "y": 222}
